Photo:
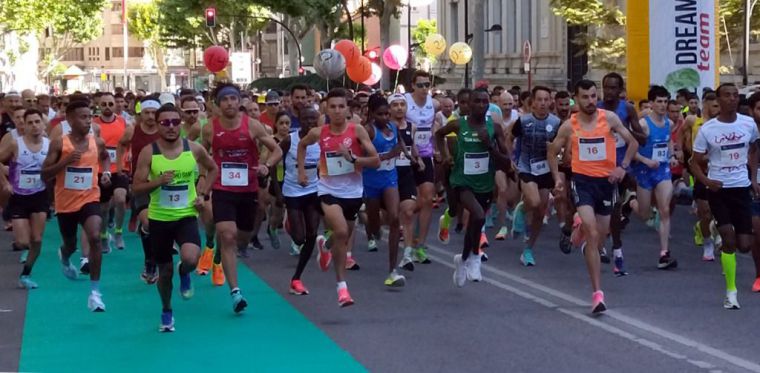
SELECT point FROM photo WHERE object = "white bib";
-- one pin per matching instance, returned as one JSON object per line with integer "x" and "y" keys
{"x": 733, "y": 155}
{"x": 619, "y": 141}
{"x": 78, "y": 178}
{"x": 28, "y": 179}
{"x": 234, "y": 174}
{"x": 173, "y": 196}
{"x": 592, "y": 149}
{"x": 403, "y": 160}
{"x": 539, "y": 166}
{"x": 475, "y": 163}
{"x": 422, "y": 137}
{"x": 111, "y": 154}
{"x": 338, "y": 165}
{"x": 388, "y": 164}
{"x": 660, "y": 152}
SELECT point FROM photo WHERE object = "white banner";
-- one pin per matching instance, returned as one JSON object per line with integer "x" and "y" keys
{"x": 241, "y": 67}
{"x": 683, "y": 44}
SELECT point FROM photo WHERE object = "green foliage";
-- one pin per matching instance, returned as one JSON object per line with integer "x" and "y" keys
{"x": 420, "y": 32}
{"x": 732, "y": 29}
{"x": 143, "y": 21}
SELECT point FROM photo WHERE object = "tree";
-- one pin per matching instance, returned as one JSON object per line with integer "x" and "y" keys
{"x": 424, "y": 28}
{"x": 143, "y": 22}
{"x": 384, "y": 10}
{"x": 732, "y": 26}
{"x": 604, "y": 42}
{"x": 68, "y": 22}
{"x": 312, "y": 13}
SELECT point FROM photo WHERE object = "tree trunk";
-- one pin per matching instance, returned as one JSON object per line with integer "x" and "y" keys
{"x": 385, "y": 35}
{"x": 158, "y": 57}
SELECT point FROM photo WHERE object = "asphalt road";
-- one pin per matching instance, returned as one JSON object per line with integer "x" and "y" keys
{"x": 518, "y": 320}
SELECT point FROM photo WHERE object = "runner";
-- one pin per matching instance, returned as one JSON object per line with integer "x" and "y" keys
{"x": 481, "y": 148}
{"x": 345, "y": 148}
{"x": 722, "y": 145}
{"x": 563, "y": 201}
{"x": 754, "y": 102}
{"x": 191, "y": 126}
{"x": 591, "y": 136}
{"x": 534, "y": 130}
{"x": 232, "y": 137}
{"x": 167, "y": 170}
{"x": 28, "y": 205}
{"x": 73, "y": 161}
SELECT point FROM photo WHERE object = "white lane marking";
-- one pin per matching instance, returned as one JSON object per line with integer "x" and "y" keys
{"x": 687, "y": 342}
{"x": 4, "y": 310}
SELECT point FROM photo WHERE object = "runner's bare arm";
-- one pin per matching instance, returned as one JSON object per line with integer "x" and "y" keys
{"x": 121, "y": 148}
{"x": 209, "y": 171}
{"x": 440, "y": 138}
{"x": 53, "y": 163}
{"x": 617, "y": 126}
{"x": 686, "y": 134}
{"x": 105, "y": 160}
{"x": 258, "y": 132}
{"x": 56, "y": 132}
{"x": 7, "y": 150}
{"x": 370, "y": 160}
{"x": 636, "y": 126}
{"x": 499, "y": 152}
{"x": 140, "y": 182}
{"x": 561, "y": 141}
{"x": 207, "y": 134}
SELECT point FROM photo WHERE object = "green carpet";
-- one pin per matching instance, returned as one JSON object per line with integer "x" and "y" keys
{"x": 60, "y": 334}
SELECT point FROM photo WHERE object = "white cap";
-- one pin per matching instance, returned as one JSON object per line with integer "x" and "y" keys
{"x": 396, "y": 97}
{"x": 166, "y": 98}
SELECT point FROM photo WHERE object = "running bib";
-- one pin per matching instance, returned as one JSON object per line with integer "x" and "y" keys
{"x": 660, "y": 152}
{"x": 731, "y": 155}
{"x": 388, "y": 164}
{"x": 234, "y": 174}
{"x": 29, "y": 179}
{"x": 338, "y": 165}
{"x": 619, "y": 141}
{"x": 173, "y": 196}
{"x": 539, "y": 166}
{"x": 111, "y": 154}
{"x": 592, "y": 149}
{"x": 403, "y": 160}
{"x": 475, "y": 163}
{"x": 78, "y": 178}
{"x": 422, "y": 137}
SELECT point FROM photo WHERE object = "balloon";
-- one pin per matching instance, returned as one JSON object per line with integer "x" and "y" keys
{"x": 435, "y": 44}
{"x": 215, "y": 58}
{"x": 377, "y": 73}
{"x": 460, "y": 53}
{"x": 349, "y": 50}
{"x": 360, "y": 71}
{"x": 395, "y": 57}
{"x": 329, "y": 64}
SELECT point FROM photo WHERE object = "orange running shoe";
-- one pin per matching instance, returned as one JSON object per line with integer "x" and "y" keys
{"x": 756, "y": 285}
{"x": 205, "y": 262}
{"x": 344, "y": 298}
{"x": 217, "y": 274}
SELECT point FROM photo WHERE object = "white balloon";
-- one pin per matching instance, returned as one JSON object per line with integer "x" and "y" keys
{"x": 329, "y": 64}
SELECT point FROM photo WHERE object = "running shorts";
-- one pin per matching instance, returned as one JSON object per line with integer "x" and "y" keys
{"x": 732, "y": 206}
{"x": 484, "y": 199}
{"x": 350, "y": 206}
{"x": 118, "y": 180}
{"x": 239, "y": 207}
{"x": 596, "y": 192}
{"x": 375, "y": 191}
{"x": 407, "y": 188}
{"x": 545, "y": 181}
{"x": 68, "y": 221}
{"x": 21, "y": 206}
{"x": 428, "y": 174}
{"x": 649, "y": 178}
{"x": 303, "y": 203}
{"x": 163, "y": 235}
{"x": 700, "y": 191}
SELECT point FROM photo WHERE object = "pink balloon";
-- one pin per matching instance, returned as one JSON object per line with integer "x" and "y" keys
{"x": 395, "y": 57}
{"x": 377, "y": 73}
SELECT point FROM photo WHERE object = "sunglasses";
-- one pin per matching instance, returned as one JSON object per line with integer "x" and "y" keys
{"x": 109, "y": 104}
{"x": 31, "y": 100}
{"x": 423, "y": 85}
{"x": 191, "y": 111}
{"x": 170, "y": 122}
{"x": 273, "y": 104}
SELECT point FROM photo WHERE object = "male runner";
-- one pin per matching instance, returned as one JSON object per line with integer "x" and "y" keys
{"x": 591, "y": 136}
{"x": 563, "y": 201}
{"x": 754, "y": 102}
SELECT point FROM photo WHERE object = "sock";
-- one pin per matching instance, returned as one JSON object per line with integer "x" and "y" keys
{"x": 527, "y": 248}
{"x": 103, "y": 236}
{"x": 618, "y": 253}
{"x": 217, "y": 256}
{"x": 165, "y": 310}
{"x": 342, "y": 285}
{"x": 708, "y": 242}
{"x": 728, "y": 261}
{"x": 145, "y": 239}
{"x": 663, "y": 252}
{"x": 95, "y": 285}
{"x": 26, "y": 271}
{"x": 234, "y": 290}
{"x": 210, "y": 241}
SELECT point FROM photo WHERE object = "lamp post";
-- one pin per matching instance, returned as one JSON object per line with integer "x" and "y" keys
{"x": 292, "y": 35}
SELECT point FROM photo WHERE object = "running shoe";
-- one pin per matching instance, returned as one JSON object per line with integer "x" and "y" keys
{"x": 185, "y": 286}
{"x": 603, "y": 257}
{"x": 577, "y": 237}
{"x": 321, "y": 242}
{"x": 371, "y": 245}
{"x": 395, "y": 280}
{"x": 344, "y": 298}
{"x": 472, "y": 268}
{"x": 68, "y": 269}
{"x": 483, "y": 240}
{"x": 698, "y": 239}
{"x": 217, "y": 274}
{"x": 565, "y": 243}
{"x": 295, "y": 250}
{"x": 150, "y": 274}
{"x": 23, "y": 257}
{"x": 255, "y": 243}
{"x": 483, "y": 256}
{"x": 274, "y": 238}
{"x": 105, "y": 243}
{"x": 118, "y": 239}
{"x": 351, "y": 264}
{"x": 731, "y": 303}
{"x": 756, "y": 285}
{"x": 205, "y": 262}
{"x": 167, "y": 322}
{"x": 708, "y": 253}
{"x": 84, "y": 266}
{"x": 597, "y": 302}
{"x": 15, "y": 247}
{"x": 667, "y": 262}
{"x": 420, "y": 255}
{"x": 297, "y": 288}
{"x": 324, "y": 257}
{"x": 526, "y": 258}
{"x": 518, "y": 223}
{"x": 617, "y": 268}
{"x": 460, "y": 272}
{"x": 26, "y": 282}
{"x": 443, "y": 228}
{"x": 95, "y": 302}
{"x": 489, "y": 220}
{"x": 407, "y": 262}
{"x": 459, "y": 228}
{"x": 502, "y": 234}
{"x": 238, "y": 302}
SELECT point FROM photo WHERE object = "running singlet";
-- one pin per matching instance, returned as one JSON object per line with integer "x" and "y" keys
{"x": 473, "y": 166}
{"x": 422, "y": 117}
{"x": 402, "y": 162}
{"x": 385, "y": 174}
{"x": 727, "y": 146}
{"x": 111, "y": 133}
{"x": 675, "y": 134}
{"x": 593, "y": 151}
{"x": 622, "y": 112}
{"x": 140, "y": 139}
{"x": 534, "y": 135}
{"x": 656, "y": 147}
{"x": 77, "y": 184}
{"x": 339, "y": 177}
{"x": 237, "y": 157}
{"x": 176, "y": 200}
{"x": 290, "y": 185}
{"x": 25, "y": 172}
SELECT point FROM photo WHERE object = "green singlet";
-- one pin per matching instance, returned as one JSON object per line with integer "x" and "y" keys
{"x": 174, "y": 201}
{"x": 473, "y": 166}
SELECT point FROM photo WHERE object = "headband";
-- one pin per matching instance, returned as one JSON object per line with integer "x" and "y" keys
{"x": 227, "y": 91}
{"x": 150, "y": 104}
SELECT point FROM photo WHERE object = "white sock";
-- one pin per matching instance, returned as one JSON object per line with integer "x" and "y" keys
{"x": 408, "y": 251}
{"x": 342, "y": 285}
{"x": 618, "y": 253}
{"x": 95, "y": 286}
{"x": 707, "y": 242}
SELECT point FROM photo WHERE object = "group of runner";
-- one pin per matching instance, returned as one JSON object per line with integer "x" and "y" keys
{"x": 226, "y": 166}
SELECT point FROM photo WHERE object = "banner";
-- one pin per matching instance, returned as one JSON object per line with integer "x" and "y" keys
{"x": 673, "y": 43}
{"x": 241, "y": 67}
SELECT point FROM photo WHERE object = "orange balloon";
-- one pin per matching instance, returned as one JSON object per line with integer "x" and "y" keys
{"x": 360, "y": 71}
{"x": 349, "y": 50}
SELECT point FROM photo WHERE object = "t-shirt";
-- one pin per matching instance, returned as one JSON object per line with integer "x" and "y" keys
{"x": 727, "y": 146}
{"x": 265, "y": 119}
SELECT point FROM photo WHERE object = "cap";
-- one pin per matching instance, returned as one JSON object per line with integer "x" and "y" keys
{"x": 261, "y": 100}
{"x": 273, "y": 97}
{"x": 166, "y": 98}
{"x": 12, "y": 94}
{"x": 396, "y": 97}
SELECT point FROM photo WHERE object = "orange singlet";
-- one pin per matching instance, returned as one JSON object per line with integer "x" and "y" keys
{"x": 593, "y": 151}
{"x": 77, "y": 184}
{"x": 111, "y": 133}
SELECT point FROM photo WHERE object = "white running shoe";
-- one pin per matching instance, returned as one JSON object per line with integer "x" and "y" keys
{"x": 407, "y": 262}
{"x": 95, "y": 302}
{"x": 68, "y": 269}
{"x": 395, "y": 280}
{"x": 460, "y": 273}
{"x": 730, "y": 303}
{"x": 472, "y": 267}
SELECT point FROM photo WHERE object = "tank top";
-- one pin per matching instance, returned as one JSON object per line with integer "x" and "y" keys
{"x": 656, "y": 147}
{"x": 290, "y": 185}
{"x": 386, "y": 173}
{"x": 176, "y": 200}
{"x": 593, "y": 151}
{"x": 422, "y": 117}
{"x": 140, "y": 139}
{"x": 14, "y": 134}
{"x": 339, "y": 177}
{"x": 675, "y": 134}
{"x": 237, "y": 157}
{"x": 473, "y": 166}
{"x": 77, "y": 184}
{"x": 111, "y": 133}
{"x": 620, "y": 146}
{"x": 26, "y": 170}
{"x": 536, "y": 134}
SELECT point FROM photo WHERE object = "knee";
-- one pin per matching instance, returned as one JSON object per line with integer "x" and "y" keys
{"x": 228, "y": 237}
{"x": 592, "y": 234}
{"x": 532, "y": 204}
{"x": 190, "y": 259}
{"x": 120, "y": 199}
{"x": 664, "y": 212}
{"x": 340, "y": 234}
{"x": 425, "y": 199}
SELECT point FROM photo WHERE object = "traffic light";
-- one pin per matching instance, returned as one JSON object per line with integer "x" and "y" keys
{"x": 210, "y": 17}
{"x": 301, "y": 70}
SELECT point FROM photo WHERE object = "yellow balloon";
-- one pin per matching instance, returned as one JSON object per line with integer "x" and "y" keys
{"x": 435, "y": 44}
{"x": 460, "y": 53}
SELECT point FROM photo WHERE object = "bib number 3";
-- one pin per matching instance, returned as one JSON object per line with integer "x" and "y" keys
{"x": 475, "y": 163}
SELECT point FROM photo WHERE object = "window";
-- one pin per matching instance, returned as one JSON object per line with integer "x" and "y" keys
{"x": 498, "y": 44}
{"x": 116, "y": 29}
{"x": 454, "y": 22}
{"x": 487, "y": 39}
{"x": 116, "y": 6}
{"x": 136, "y": 51}
{"x": 271, "y": 28}
{"x": 74, "y": 54}
{"x": 118, "y": 52}
{"x": 108, "y": 54}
